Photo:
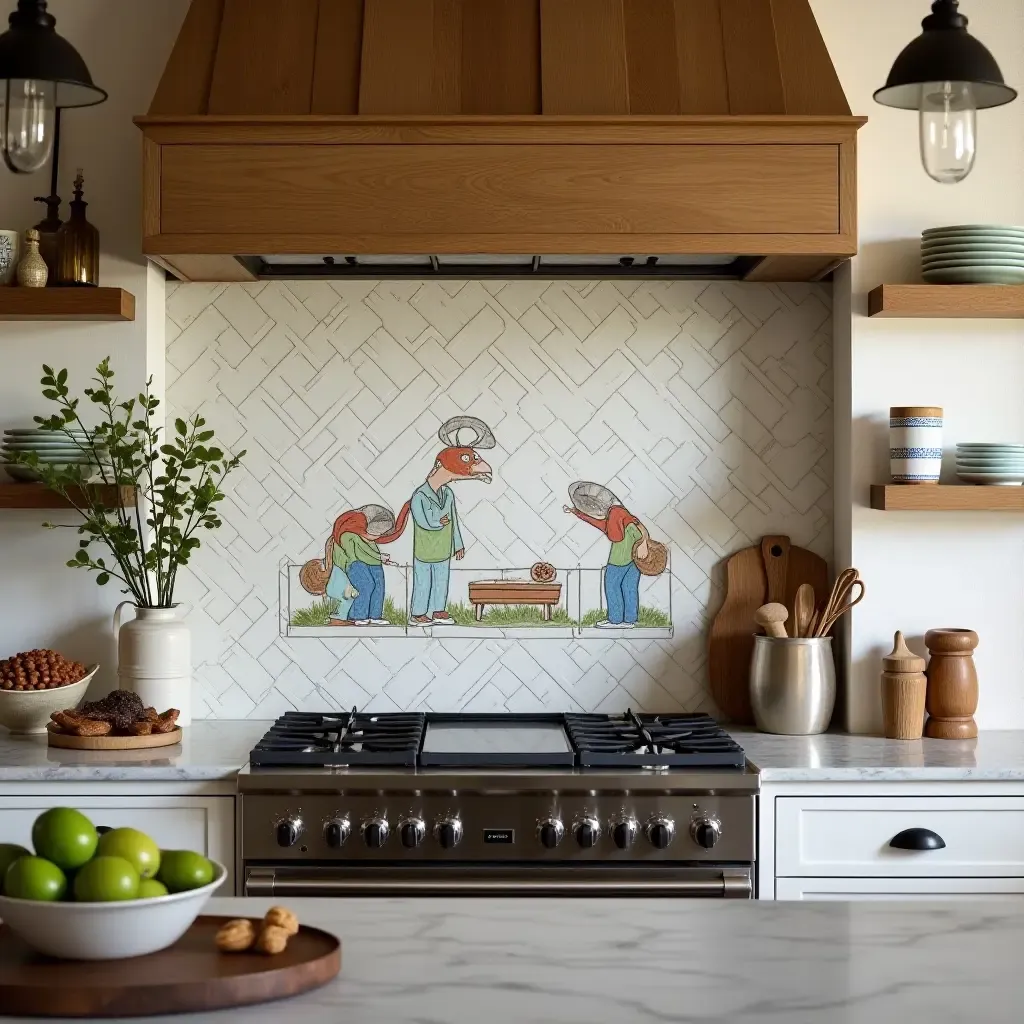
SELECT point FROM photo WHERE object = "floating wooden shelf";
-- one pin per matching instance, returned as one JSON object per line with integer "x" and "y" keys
{"x": 948, "y": 301}
{"x": 946, "y": 498}
{"x": 96, "y": 304}
{"x": 38, "y": 496}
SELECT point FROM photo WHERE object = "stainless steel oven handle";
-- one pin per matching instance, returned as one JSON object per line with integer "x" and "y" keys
{"x": 728, "y": 883}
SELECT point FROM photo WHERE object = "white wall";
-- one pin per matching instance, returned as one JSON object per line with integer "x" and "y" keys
{"x": 125, "y": 44}
{"x": 929, "y": 570}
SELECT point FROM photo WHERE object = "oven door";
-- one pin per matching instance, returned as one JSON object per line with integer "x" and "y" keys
{"x": 732, "y": 881}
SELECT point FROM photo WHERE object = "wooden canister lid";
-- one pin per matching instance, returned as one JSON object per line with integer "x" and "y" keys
{"x": 903, "y": 412}
{"x": 902, "y": 659}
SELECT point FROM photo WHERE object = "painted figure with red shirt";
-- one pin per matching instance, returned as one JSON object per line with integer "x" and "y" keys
{"x": 597, "y": 505}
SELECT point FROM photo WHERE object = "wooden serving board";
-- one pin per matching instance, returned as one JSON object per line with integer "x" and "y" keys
{"x": 191, "y": 976}
{"x": 66, "y": 742}
{"x": 770, "y": 571}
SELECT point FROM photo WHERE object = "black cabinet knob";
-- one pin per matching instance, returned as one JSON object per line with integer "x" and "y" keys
{"x": 624, "y": 834}
{"x": 375, "y": 834}
{"x": 705, "y": 834}
{"x": 288, "y": 832}
{"x": 411, "y": 833}
{"x": 917, "y": 839}
{"x": 336, "y": 832}
{"x": 449, "y": 833}
{"x": 551, "y": 832}
{"x": 660, "y": 833}
{"x": 588, "y": 833}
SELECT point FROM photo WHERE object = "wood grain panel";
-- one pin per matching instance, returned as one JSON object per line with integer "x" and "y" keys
{"x": 809, "y": 80}
{"x": 700, "y": 49}
{"x": 951, "y": 301}
{"x": 462, "y": 190}
{"x": 150, "y": 187}
{"x": 38, "y": 496}
{"x": 946, "y": 498}
{"x": 751, "y": 58}
{"x": 185, "y": 84}
{"x": 87, "y": 304}
{"x": 652, "y": 62}
{"x": 501, "y": 57}
{"x": 339, "y": 45}
{"x": 265, "y": 57}
{"x": 412, "y": 57}
{"x": 583, "y": 57}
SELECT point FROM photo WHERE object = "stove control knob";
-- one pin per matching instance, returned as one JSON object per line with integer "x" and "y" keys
{"x": 624, "y": 833}
{"x": 288, "y": 831}
{"x": 588, "y": 831}
{"x": 412, "y": 832}
{"x": 550, "y": 832}
{"x": 706, "y": 831}
{"x": 660, "y": 832}
{"x": 336, "y": 832}
{"x": 375, "y": 832}
{"x": 448, "y": 832}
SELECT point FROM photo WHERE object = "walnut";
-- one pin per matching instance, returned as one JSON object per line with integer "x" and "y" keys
{"x": 236, "y": 936}
{"x": 282, "y": 917}
{"x": 271, "y": 940}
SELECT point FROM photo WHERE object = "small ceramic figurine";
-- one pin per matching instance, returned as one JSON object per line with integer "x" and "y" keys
{"x": 32, "y": 270}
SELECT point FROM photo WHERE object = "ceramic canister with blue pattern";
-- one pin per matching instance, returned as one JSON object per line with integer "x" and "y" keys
{"x": 915, "y": 444}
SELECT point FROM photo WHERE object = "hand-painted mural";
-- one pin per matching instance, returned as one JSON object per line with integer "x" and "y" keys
{"x": 542, "y": 601}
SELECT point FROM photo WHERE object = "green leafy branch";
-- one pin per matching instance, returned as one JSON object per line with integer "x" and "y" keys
{"x": 178, "y": 484}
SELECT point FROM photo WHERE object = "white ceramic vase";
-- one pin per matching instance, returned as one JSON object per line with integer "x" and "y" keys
{"x": 154, "y": 658}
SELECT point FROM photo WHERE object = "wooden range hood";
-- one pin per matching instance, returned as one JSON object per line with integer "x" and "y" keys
{"x": 325, "y": 138}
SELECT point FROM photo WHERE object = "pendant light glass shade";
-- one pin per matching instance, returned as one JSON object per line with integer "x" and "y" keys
{"x": 39, "y": 72}
{"x": 947, "y": 76}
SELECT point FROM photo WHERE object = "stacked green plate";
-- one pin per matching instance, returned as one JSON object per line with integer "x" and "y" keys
{"x": 56, "y": 449}
{"x": 973, "y": 254}
{"x": 983, "y": 462}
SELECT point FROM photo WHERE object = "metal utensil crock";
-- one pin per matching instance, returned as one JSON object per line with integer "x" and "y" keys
{"x": 792, "y": 684}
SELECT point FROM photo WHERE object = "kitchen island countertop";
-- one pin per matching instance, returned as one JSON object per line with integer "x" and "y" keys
{"x": 516, "y": 961}
{"x": 995, "y": 756}
{"x": 209, "y": 751}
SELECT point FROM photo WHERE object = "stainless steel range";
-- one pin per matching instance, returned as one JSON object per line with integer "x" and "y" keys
{"x": 362, "y": 804}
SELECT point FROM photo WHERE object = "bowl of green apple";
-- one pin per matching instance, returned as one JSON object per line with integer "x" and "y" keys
{"x": 83, "y": 895}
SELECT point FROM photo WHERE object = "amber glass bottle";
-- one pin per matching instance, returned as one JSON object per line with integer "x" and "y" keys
{"x": 78, "y": 245}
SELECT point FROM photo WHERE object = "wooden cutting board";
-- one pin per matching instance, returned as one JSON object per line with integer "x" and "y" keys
{"x": 66, "y": 742}
{"x": 771, "y": 571}
{"x": 189, "y": 977}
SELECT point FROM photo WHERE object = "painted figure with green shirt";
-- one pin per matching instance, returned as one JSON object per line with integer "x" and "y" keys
{"x": 597, "y": 505}
{"x": 436, "y": 533}
{"x": 356, "y": 565}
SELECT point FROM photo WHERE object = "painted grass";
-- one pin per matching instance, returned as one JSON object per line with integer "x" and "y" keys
{"x": 652, "y": 618}
{"x": 319, "y": 614}
{"x": 505, "y": 616}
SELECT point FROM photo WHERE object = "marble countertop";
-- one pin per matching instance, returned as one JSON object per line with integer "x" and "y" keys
{"x": 836, "y": 757}
{"x": 650, "y": 962}
{"x": 216, "y": 750}
{"x": 209, "y": 751}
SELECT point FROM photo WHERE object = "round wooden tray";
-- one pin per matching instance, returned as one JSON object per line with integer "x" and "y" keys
{"x": 66, "y": 742}
{"x": 190, "y": 976}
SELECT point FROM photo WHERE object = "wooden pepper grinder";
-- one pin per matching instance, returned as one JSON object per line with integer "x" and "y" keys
{"x": 952, "y": 684}
{"x": 903, "y": 692}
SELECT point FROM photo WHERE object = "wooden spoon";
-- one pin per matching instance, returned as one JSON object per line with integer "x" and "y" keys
{"x": 803, "y": 610}
{"x": 772, "y": 619}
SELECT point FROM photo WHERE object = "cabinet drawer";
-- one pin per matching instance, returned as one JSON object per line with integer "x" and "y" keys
{"x": 901, "y": 889}
{"x": 849, "y": 836}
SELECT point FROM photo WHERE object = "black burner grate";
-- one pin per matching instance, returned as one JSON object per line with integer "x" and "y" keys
{"x": 653, "y": 741}
{"x": 343, "y": 739}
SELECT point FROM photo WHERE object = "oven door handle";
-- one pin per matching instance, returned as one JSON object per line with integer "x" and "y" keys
{"x": 730, "y": 883}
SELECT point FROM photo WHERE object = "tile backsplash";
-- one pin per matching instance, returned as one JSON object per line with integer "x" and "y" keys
{"x": 704, "y": 407}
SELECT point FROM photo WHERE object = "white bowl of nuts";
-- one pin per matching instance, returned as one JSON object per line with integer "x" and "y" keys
{"x": 34, "y": 684}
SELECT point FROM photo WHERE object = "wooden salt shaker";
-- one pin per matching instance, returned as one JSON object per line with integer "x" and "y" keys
{"x": 904, "y": 685}
{"x": 952, "y": 684}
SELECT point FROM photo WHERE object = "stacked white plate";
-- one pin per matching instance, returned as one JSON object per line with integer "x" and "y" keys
{"x": 57, "y": 449}
{"x": 982, "y": 463}
{"x": 973, "y": 254}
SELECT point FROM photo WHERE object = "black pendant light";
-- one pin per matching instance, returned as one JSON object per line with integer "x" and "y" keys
{"x": 40, "y": 71}
{"x": 946, "y": 75}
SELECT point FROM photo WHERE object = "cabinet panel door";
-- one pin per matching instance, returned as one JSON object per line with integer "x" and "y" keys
{"x": 203, "y": 824}
{"x": 849, "y": 837}
{"x": 899, "y": 889}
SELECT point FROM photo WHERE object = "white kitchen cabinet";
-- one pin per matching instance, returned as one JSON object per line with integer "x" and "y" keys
{"x": 202, "y": 823}
{"x": 830, "y": 840}
{"x": 899, "y": 889}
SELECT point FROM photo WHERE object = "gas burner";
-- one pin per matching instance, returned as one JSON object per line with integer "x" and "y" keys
{"x": 345, "y": 739}
{"x": 653, "y": 742}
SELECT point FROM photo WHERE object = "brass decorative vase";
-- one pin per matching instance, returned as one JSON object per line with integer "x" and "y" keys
{"x": 32, "y": 270}
{"x": 78, "y": 245}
